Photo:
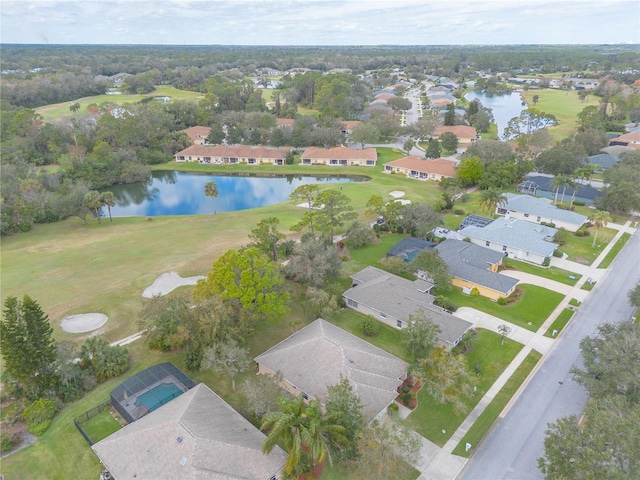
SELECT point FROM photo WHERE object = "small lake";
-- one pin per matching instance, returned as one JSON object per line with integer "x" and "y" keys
{"x": 503, "y": 107}
{"x": 180, "y": 193}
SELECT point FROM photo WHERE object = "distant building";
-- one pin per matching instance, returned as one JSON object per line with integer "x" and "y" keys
{"x": 539, "y": 210}
{"x": 420, "y": 168}
{"x": 339, "y": 157}
{"x": 233, "y": 154}
{"x": 197, "y": 134}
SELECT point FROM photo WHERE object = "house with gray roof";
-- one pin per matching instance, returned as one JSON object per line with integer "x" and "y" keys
{"x": 539, "y": 210}
{"x": 541, "y": 186}
{"x": 196, "y": 436}
{"x": 472, "y": 266}
{"x": 603, "y": 160}
{"x": 514, "y": 238}
{"x": 393, "y": 299}
{"x": 321, "y": 354}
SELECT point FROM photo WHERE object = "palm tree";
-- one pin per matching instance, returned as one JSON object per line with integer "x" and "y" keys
{"x": 108, "y": 199}
{"x": 568, "y": 183}
{"x": 492, "y": 199}
{"x": 304, "y": 431}
{"x": 559, "y": 181}
{"x": 93, "y": 202}
{"x": 211, "y": 190}
{"x": 599, "y": 218}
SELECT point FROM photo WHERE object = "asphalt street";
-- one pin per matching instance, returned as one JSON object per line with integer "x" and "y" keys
{"x": 512, "y": 448}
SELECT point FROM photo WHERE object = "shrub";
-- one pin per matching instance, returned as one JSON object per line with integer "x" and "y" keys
{"x": 578, "y": 203}
{"x": 38, "y": 415}
{"x": 502, "y": 301}
{"x": 475, "y": 292}
{"x": 406, "y": 389}
{"x": 458, "y": 211}
{"x": 581, "y": 232}
{"x": 399, "y": 229}
{"x": 393, "y": 409}
{"x": 546, "y": 262}
{"x": 558, "y": 253}
{"x": 6, "y": 443}
{"x": 411, "y": 404}
{"x": 370, "y": 326}
{"x": 465, "y": 198}
{"x": 560, "y": 236}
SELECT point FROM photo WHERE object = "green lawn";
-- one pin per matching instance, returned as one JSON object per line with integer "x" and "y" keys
{"x": 564, "y": 104}
{"x": 100, "y": 426}
{"x": 579, "y": 249}
{"x": 58, "y": 110}
{"x": 430, "y": 418}
{"x": 529, "y": 312}
{"x": 370, "y": 255}
{"x": 347, "y": 471}
{"x": 552, "y": 273}
{"x": 486, "y": 419}
{"x": 606, "y": 261}
{"x": 559, "y": 323}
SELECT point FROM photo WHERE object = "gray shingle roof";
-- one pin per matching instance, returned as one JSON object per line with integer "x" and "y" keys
{"x": 321, "y": 353}
{"x": 216, "y": 442}
{"x": 541, "y": 206}
{"x": 584, "y": 191}
{"x": 400, "y": 298}
{"x": 605, "y": 160}
{"x": 529, "y": 237}
{"x": 468, "y": 261}
{"x": 409, "y": 248}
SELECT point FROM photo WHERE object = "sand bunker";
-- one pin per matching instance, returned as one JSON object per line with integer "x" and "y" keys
{"x": 306, "y": 205}
{"x": 167, "y": 282}
{"x": 397, "y": 194}
{"x": 82, "y": 323}
{"x": 403, "y": 202}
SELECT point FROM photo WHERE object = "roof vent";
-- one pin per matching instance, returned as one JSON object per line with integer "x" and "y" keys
{"x": 178, "y": 439}
{"x": 183, "y": 461}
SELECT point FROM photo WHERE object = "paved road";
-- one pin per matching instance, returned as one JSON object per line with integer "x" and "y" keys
{"x": 512, "y": 449}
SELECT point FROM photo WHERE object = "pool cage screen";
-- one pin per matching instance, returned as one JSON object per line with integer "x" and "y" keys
{"x": 149, "y": 389}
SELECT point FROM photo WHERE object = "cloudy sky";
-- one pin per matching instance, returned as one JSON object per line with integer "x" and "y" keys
{"x": 320, "y": 22}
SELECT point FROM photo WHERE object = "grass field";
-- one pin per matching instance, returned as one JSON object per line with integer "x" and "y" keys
{"x": 100, "y": 426}
{"x": 431, "y": 418}
{"x": 564, "y": 104}
{"x": 58, "y": 110}
{"x": 579, "y": 249}
{"x": 486, "y": 419}
{"x": 559, "y": 323}
{"x": 606, "y": 261}
{"x": 552, "y": 273}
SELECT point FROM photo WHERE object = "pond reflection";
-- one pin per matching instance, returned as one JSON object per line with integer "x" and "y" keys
{"x": 180, "y": 193}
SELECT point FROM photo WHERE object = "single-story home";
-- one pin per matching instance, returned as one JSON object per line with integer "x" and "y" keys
{"x": 539, "y": 210}
{"x": 631, "y": 139}
{"x": 348, "y": 126}
{"x": 197, "y": 134}
{"x": 339, "y": 156}
{"x": 472, "y": 266}
{"x": 464, "y": 133}
{"x": 393, "y": 299}
{"x": 285, "y": 122}
{"x": 414, "y": 166}
{"x": 408, "y": 248}
{"x": 516, "y": 238}
{"x": 541, "y": 186}
{"x": 604, "y": 161}
{"x": 321, "y": 354}
{"x": 233, "y": 154}
{"x": 195, "y": 436}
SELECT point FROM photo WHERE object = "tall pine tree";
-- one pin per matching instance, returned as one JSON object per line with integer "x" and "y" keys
{"x": 28, "y": 350}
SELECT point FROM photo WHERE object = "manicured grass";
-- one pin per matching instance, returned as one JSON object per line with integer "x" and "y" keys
{"x": 59, "y": 110}
{"x": 606, "y": 261}
{"x": 564, "y": 104}
{"x": 486, "y": 419}
{"x": 430, "y": 418}
{"x": 552, "y": 273}
{"x": 575, "y": 302}
{"x": 579, "y": 249}
{"x": 100, "y": 426}
{"x": 587, "y": 286}
{"x": 370, "y": 255}
{"x": 347, "y": 471}
{"x": 530, "y": 311}
{"x": 559, "y": 323}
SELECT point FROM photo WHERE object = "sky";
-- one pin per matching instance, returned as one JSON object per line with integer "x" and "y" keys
{"x": 320, "y": 22}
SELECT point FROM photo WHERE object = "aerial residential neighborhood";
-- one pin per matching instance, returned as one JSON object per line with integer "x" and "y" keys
{"x": 320, "y": 243}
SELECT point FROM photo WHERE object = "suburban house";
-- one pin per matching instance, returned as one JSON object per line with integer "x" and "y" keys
{"x": 339, "y": 156}
{"x": 539, "y": 210}
{"x": 414, "y": 166}
{"x": 233, "y": 154}
{"x": 348, "y": 126}
{"x": 321, "y": 354}
{"x": 516, "y": 238}
{"x": 472, "y": 266}
{"x": 393, "y": 299}
{"x": 408, "y": 248}
{"x": 540, "y": 186}
{"x": 464, "y": 133}
{"x": 197, "y": 134}
{"x": 195, "y": 436}
{"x": 285, "y": 122}
{"x": 604, "y": 161}
{"x": 631, "y": 139}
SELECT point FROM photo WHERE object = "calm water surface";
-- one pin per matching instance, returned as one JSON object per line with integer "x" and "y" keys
{"x": 503, "y": 107}
{"x": 181, "y": 193}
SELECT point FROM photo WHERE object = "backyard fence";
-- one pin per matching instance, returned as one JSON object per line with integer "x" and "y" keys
{"x": 86, "y": 416}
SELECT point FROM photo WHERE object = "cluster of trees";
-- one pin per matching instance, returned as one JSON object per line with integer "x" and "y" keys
{"x": 41, "y": 373}
{"x": 606, "y": 444}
